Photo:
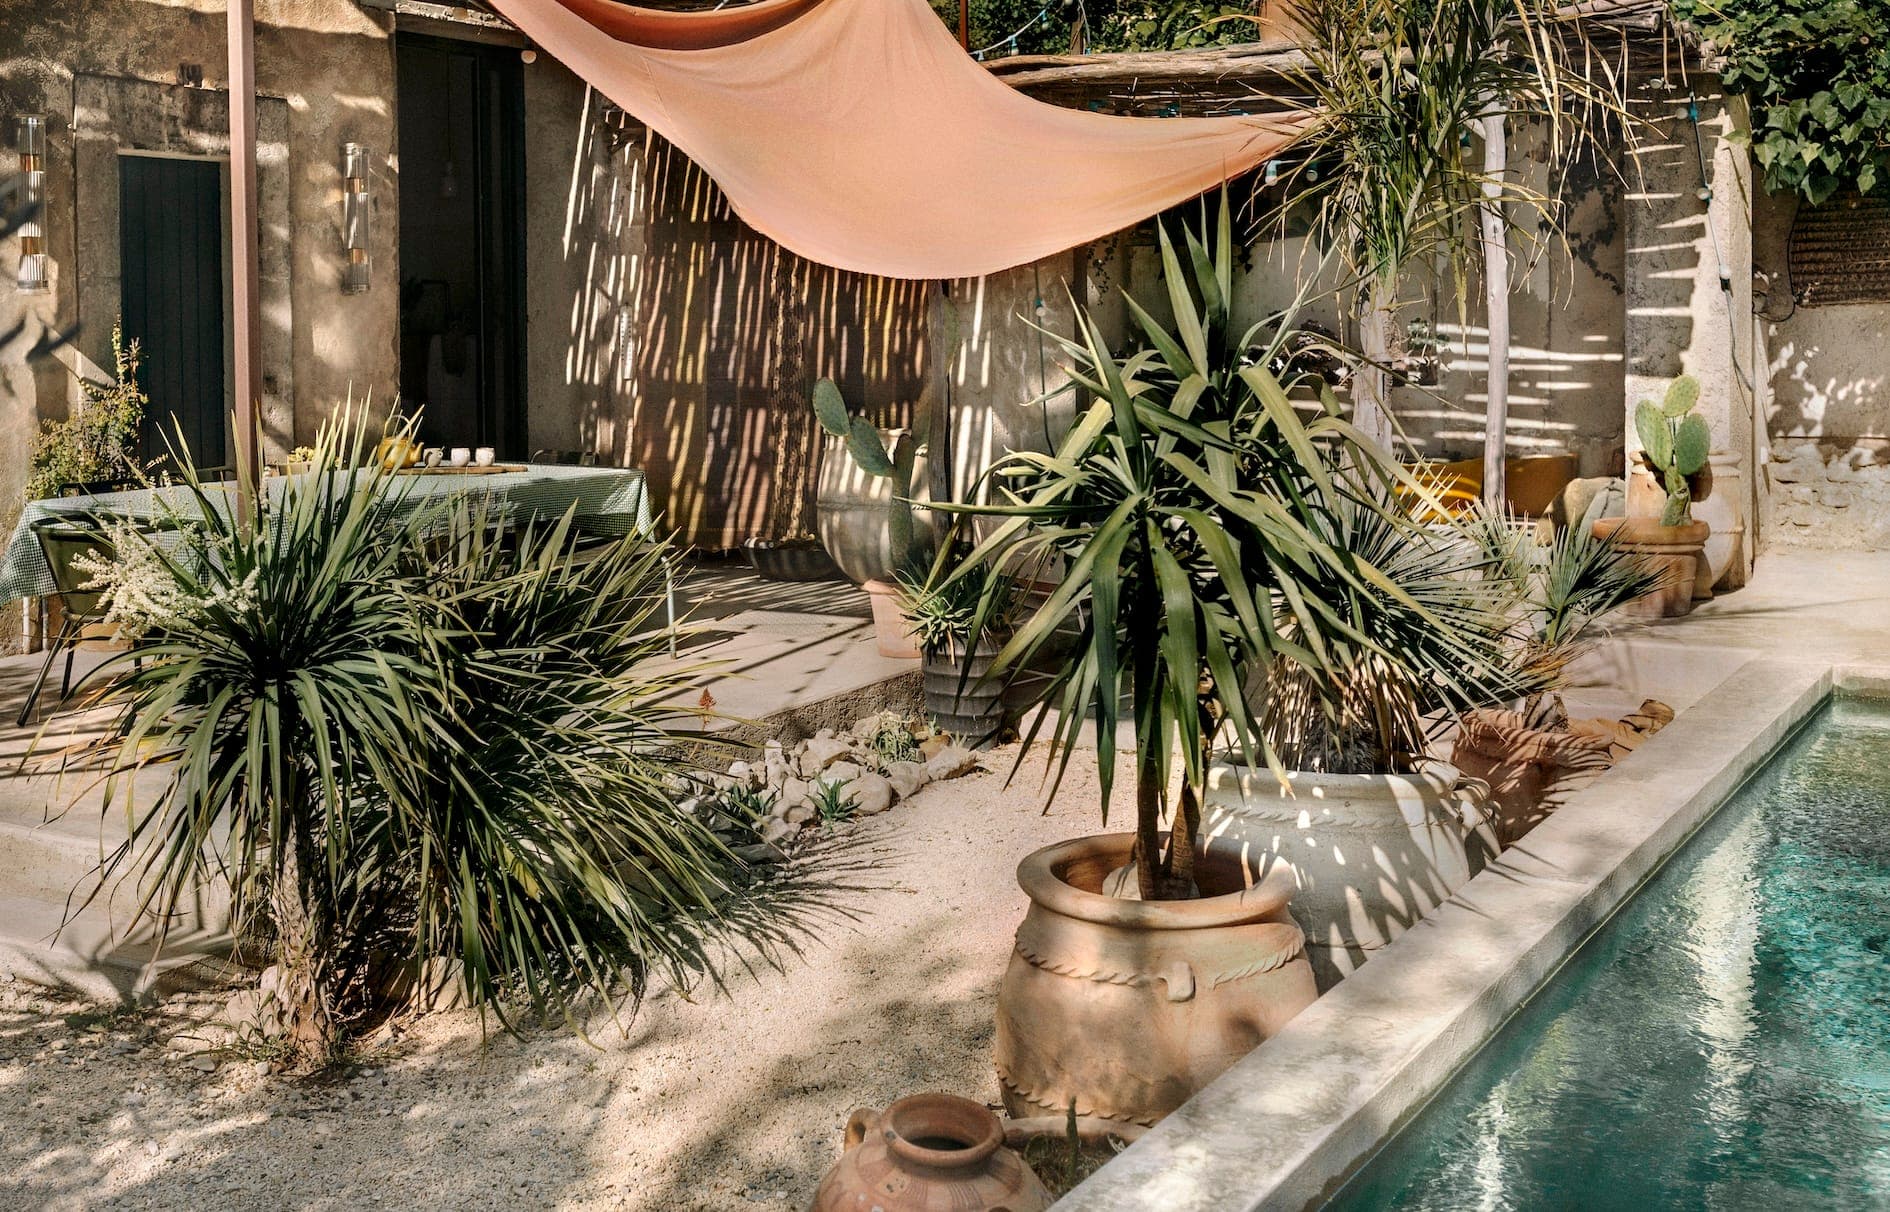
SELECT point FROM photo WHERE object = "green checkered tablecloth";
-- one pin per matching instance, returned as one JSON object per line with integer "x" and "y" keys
{"x": 609, "y": 500}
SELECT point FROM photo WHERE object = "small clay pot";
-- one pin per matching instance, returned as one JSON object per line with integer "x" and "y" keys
{"x": 1528, "y": 769}
{"x": 929, "y": 1153}
{"x": 892, "y": 630}
{"x": 1125, "y": 1008}
{"x": 1674, "y": 551}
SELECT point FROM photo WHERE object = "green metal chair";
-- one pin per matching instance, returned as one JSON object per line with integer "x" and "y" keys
{"x": 62, "y": 541}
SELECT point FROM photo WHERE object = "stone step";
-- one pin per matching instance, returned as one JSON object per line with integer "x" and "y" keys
{"x": 94, "y": 953}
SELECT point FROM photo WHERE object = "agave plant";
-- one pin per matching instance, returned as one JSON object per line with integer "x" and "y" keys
{"x": 1188, "y": 507}
{"x": 402, "y": 739}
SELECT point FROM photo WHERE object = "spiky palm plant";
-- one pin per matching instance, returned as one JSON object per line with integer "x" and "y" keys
{"x": 1403, "y": 88}
{"x": 402, "y": 739}
{"x": 1188, "y": 509}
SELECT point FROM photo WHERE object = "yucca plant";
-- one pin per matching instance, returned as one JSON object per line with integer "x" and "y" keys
{"x": 403, "y": 739}
{"x": 1404, "y": 89}
{"x": 1188, "y": 508}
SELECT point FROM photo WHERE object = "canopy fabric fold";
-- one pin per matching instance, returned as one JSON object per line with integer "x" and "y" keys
{"x": 858, "y": 134}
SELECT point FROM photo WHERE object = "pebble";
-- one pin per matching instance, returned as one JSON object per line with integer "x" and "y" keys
{"x": 950, "y": 762}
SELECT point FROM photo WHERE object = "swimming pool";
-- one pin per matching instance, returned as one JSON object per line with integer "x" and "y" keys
{"x": 1723, "y": 1042}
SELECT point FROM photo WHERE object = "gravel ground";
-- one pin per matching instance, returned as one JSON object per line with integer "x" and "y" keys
{"x": 732, "y": 1100}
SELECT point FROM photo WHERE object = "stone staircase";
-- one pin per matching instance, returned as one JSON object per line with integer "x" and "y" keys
{"x": 54, "y": 831}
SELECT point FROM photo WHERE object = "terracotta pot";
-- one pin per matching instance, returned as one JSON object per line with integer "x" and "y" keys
{"x": 892, "y": 630}
{"x": 1369, "y": 854}
{"x": 1530, "y": 770}
{"x": 929, "y": 1153}
{"x": 1673, "y": 550}
{"x": 1125, "y": 1008}
{"x": 853, "y": 511}
{"x": 959, "y": 696}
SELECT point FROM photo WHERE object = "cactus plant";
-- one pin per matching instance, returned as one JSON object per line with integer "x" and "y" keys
{"x": 1674, "y": 445}
{"x": 909, "y": 540}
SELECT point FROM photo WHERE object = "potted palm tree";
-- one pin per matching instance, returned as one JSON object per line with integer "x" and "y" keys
{"x": 1187, "y": 507}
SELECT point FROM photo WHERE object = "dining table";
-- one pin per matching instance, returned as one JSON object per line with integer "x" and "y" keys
{"x": 609, "y": 501}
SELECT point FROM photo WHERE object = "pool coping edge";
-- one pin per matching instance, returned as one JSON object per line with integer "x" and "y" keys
{"x": 1290, "y": 1122}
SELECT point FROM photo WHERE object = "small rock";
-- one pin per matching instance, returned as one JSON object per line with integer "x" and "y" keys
{"x": 932, "y": 746}
{"x": 907, "y": 777}
{"x": 825, "y": 734}
{"x": 204, "y": 1064}
{"x": 843, "y": 772}
{"x": 793, "y": 794}
{"x": 263, "y": 1068}
{"x": 872, "y": 794}
{"x": 800, "y": 814}
{"x": 822, "y": 752}
{"x": 774, "y": 830}
{"x": 763, "y": 852}
{"x": 950, "y": 762}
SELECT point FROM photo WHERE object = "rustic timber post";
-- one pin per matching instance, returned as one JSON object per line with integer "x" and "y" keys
{"x": 1496, "y": 301}
{"x": 245, "y": 257}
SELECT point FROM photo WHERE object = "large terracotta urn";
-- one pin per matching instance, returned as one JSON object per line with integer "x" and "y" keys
{"x": 1368, "y": 855}
{"x": 1125, "y": 1008}
{"x": 1674, "y": 551}
{"x": 929, "y": 1153}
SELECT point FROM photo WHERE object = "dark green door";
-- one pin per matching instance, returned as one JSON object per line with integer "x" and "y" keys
{"x": 171, "y": 270}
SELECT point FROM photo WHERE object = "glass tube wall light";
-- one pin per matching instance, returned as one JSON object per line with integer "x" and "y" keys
{"x": 354, "y": 217}
{"x": 32, "y": 278}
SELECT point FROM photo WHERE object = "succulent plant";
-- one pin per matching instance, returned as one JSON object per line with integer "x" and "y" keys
{"x": 875, "y": 458}
{"x": 1674, "y": 445}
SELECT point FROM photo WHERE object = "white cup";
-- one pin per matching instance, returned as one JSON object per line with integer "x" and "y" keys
{"x": 432, "y": 456}
{"x": 460, "y": 456}
{"x": 484, "y": 456}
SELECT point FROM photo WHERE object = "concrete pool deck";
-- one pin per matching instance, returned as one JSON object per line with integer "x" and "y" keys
{"x": 1286, "y": 1126}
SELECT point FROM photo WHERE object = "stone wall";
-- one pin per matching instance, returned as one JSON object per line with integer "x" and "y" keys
{"x": 1828, "y": 418}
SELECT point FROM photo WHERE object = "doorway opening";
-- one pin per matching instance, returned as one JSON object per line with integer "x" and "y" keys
{"x": 461, "y": 119}
{"x": 173, "y": 299}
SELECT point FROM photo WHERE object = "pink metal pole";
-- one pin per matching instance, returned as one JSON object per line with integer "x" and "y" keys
{"x": 245, "y": 257}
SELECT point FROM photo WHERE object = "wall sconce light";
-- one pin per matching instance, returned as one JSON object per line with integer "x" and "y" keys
{"x": 32, "y": 278}
{"x": 354, "y": 217}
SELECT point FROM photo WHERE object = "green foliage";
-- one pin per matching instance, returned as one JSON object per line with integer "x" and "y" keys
{"x": 833, "y": 803}
{"x": 994, "y": 21}
{"x": 943, "y": 607}
{"x": 892, "y": 740}
{"x": 1817, "y": 75}
{"x": 1159, "y": 25}
{"x": 830, "y": 408}
{"x": 100, "y": 440}
{"x": 1190, "y": 509}
{"x": 1675, "y": 444}
{"x": 403, "y": 736}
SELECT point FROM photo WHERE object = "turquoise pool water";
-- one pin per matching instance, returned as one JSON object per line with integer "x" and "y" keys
{"x": 1723, "y": 1043}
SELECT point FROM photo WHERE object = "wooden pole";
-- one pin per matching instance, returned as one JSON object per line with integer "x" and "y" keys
{"x": 1496, "y": 302}
{"x": 245, "y": 257}
{"x": 964, "y": 23}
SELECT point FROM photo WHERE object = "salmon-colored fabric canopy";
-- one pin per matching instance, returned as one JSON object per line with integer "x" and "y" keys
{"x": 858, "y": 134}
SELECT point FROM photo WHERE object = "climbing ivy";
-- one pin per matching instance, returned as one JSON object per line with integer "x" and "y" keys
{"x": 1817, "y": 75}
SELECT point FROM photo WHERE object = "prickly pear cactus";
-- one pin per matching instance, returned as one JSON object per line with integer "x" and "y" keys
{"x": 1675, "y": 441}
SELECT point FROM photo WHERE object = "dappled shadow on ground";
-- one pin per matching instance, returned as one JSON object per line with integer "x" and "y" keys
{"x": 734, "y": 1099}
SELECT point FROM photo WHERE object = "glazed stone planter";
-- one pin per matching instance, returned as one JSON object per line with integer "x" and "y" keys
{"x": 1126, "y": 1008}
{"x": 1370, "y": 855}
{"x": 929, "y": 1153}
{"x": 1676, "y": 551}
{"x": 960, "y": 698}
{"x": 1529, "y": 770}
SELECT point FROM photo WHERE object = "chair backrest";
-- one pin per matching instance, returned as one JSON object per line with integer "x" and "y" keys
{"x": 62, "y": 542}
{"x": 91, "y": 488}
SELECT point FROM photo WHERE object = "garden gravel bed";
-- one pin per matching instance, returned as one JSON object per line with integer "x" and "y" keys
{"x": 732, "y": 1100}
